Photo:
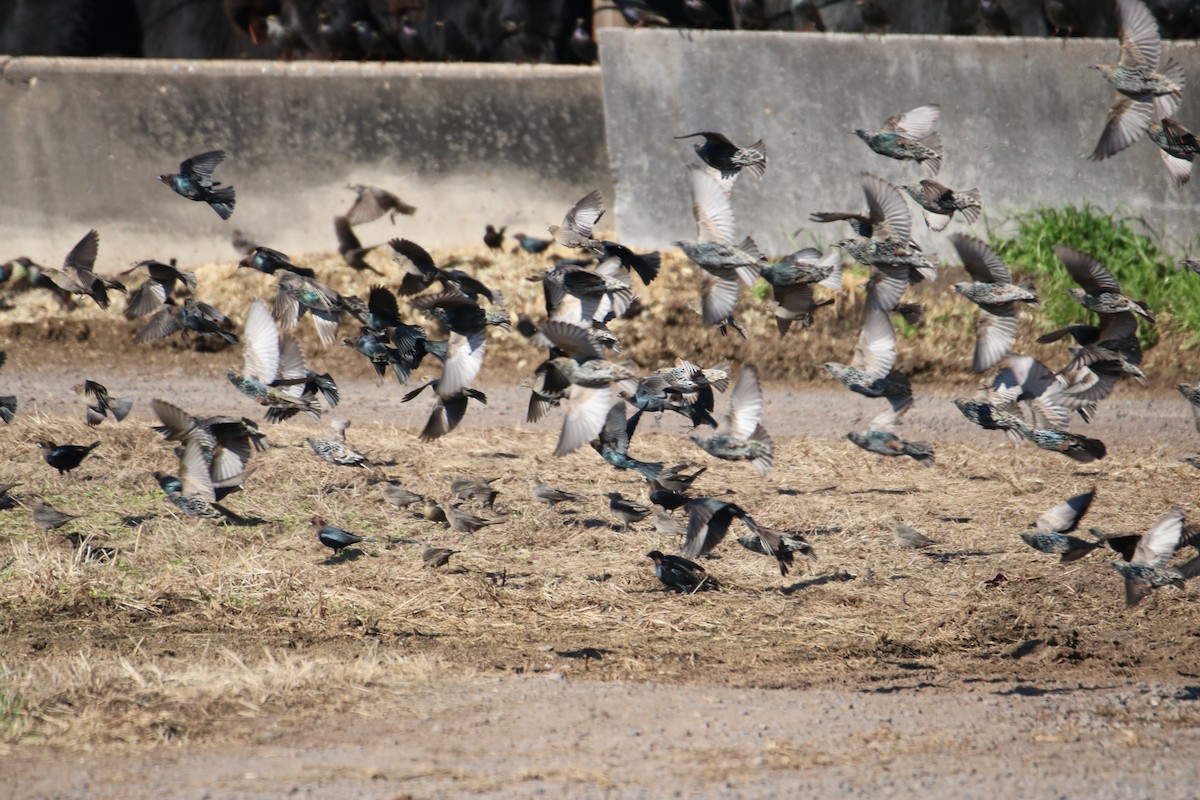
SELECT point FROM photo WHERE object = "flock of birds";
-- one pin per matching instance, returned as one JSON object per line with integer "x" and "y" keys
{"x": 584, "y": 376}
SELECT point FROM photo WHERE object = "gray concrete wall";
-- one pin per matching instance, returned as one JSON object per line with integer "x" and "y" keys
{"x": 81, "y": 142}
{"x": 1018, "y": 118}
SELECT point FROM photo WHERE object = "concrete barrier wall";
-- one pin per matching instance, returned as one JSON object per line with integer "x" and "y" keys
{"x": 1018, "y": 118}
{"x": 81, "y": 142}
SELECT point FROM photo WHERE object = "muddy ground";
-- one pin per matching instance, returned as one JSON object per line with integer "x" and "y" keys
{"x": 224, "y": 661}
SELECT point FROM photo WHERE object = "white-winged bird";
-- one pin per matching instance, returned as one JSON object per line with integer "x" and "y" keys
{"x": 267, "y": 359}
{"x": 993, "y": 291}
{"x": 576, "y": 229}
{"x": 741, "y": 437}
{"x": 195, "y": 182}
{"x": 1053, "y": 525}
{"x": 1147, "y": 570}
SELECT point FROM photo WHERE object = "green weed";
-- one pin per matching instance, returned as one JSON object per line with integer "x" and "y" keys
{"x": 1127, "y": 246}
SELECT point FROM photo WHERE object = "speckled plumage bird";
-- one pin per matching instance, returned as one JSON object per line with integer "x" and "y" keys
{"x": 1144, "y": 94}
{"x": 993, "y": 291}
{"x": 335, "y": 451}
{"x": 267, "y": 358}
{"x": 576, "y": 229}
{"x": 195, "y": 182}
{"x": 371, "y": 203}
{"x": 1072, "y": 445}
{"x": 193, "y": 316}
{"x": 626, "y": 510}
{"x": 1099, "y": 290}
{"x": 681, "y": 575}
{"x": 726, "y": 157}
{"x": 939, "y": 203}
{"x": 100, "y": 405}
{"x": 910, "y": 136}
{"x": 1177, "y": 146}
{"x": 77, "y": 276}
{"x": 742, "y": 437}
{"x": 296, "y": 296}
{"x": 335, "y": 538}
{"x": 880, "y": 438}
{"x": 193, "y": 492}
{"x": 792, "y": 279}
{"x": 65, "y": 457}
{"x": 1147, "y": 569}
{"x": 1054, "y": 524}
{"x": 870, "y": 372}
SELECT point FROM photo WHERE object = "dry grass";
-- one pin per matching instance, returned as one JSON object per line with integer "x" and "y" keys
{"x": 197, "y": 626}
{"x": 938, "y": 349}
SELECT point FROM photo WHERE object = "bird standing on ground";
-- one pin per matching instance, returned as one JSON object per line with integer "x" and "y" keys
{"x": 335, "y": 538}
{"x": 65, "y": 457}
{"x": 626, "y": 510}
{"x": 548, "y": 495}
{"x": 195, "y": 182}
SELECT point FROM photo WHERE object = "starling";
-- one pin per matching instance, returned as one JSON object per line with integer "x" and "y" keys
{"x": 478, "y": 489}
{"x": 909, "y": 137}
{"x": 1143, "y": 93}
{"x": 880, "y": 438}
{"x": 727, "y": 158}
{"x": 870, "y": 371}
{"x": 677, "y": 478}
{"x": 910, "y": 538}
{"x": 335, "y": 539}
{"x": 788, "y": 541}
{"x": 268, "y": 262}
{"x": 938, "y": 203}
{"x": 708, "y": 522}
{"x": 548, "y": 495}
{"x": 193, "y": 315}
{"x": 696, "y": 412}
{"x": 613, "y": 443}
{"x": 65, "y": 457}
{"x": 494, "y": 238}
{"x": 100, "y": 405}
{"x": 437, "y": 556}
{"x": 993, "y": 291}
{"x": 227, "y": 442}
{"x": 336, "y": 452}
{"x": 646, "y": 265}
{"x": 350, "y": 248}
{"x": 195, "y": 182}
{"x": 296, "y": 295}
{"x": 464, "y": 520}
{"x": 1147, "y": 569}
{"x": 447, "y": 412}
{"x": 1075, "y": 447}
{"x": 1177, "y": 146}
{"x": 267, "y": 357}
{"x": 158, "y": 288}
{"x": 1100, "y": 291}
{"x": 626, "y": 510}
{"x": 372, "y": 203}
{"x": 792, "y": 280}
{"x": 48, "y": 517}
{"x": 681, "y": 575}
{"x": 193, "y": 492}
{"x": 1053, "y": 525}
{"x": 76, "y": 276}
{"x": 742, "y": 437}
{"x": 576, "y": 229}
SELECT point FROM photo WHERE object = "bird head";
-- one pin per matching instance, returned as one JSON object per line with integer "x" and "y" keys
{"x": 164, "y": 178}
{"x": 834, "y": 369}
{"x": 317, "y": 522}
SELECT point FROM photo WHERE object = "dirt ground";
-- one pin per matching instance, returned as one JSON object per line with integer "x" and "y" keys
{"x": 237, "y": 661}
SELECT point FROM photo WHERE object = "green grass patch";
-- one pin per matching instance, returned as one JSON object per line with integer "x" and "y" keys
{"x": 1127, "y": 246}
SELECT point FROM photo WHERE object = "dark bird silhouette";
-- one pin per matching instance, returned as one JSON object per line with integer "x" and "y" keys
{"x": 681, "y": 575}
{"x": 100, "y": 405}
{"x": 372, "y": 203}
{"x": 65, "y": 457}
{"x": 531, "y": 244}
{"x": 195, "y": 182}
{"x": 447, "y": 412}
{"x": 613, "y": 443}
{"x": 76, "y": 276}
{"x": 726, "y": 157}
{"x": 437, "y": 556}
{"x": 193, "y": 316}
{"x": 162, "y": 279}
{"x": 350, "y": 248}
{"x": 268, "y": 262}
{"x": 8, "y": 402}
{"x": 335, "y": 538}
{"x": 708, "y": 523}
{"x": 494, "y": 238}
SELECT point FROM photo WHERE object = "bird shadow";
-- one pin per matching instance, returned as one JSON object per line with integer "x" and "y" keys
{"x": 836, "y": 577}
{"x": 903, "y": 688}
{"x": 135, "y": 521}
{"x": 244, "y": 522}
{"x": 886, "y": 491}
{"x": 1026, "y": 690}
{"x": 1188, "y": 693}
{"x": 342, "y": 557}
{"x": 800, "y": 492}
{"x": 592, "y": 523}
{"x": 946, "y": 558}
{"x": 958, "y": 520}
{"x": 501, "y": 455}
{"x": 585, "y": 653}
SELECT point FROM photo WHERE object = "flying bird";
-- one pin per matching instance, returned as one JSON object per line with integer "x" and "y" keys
{"x": 195, "y": 182}
{"x": 371, "y": 203}
{"x": 742, "y": 437}
{"x": 993, "y": 291}
{"x": 100, "y": 405}
{"x": 727, "y": 158}
{"x": 910, "y": 136}
{"x": 271, "y": 366}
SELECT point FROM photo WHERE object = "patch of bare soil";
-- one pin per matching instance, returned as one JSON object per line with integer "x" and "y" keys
{"x": 246, "y": 661}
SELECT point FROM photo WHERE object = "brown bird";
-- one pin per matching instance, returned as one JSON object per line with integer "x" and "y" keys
{"x": 373, "y": 202}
